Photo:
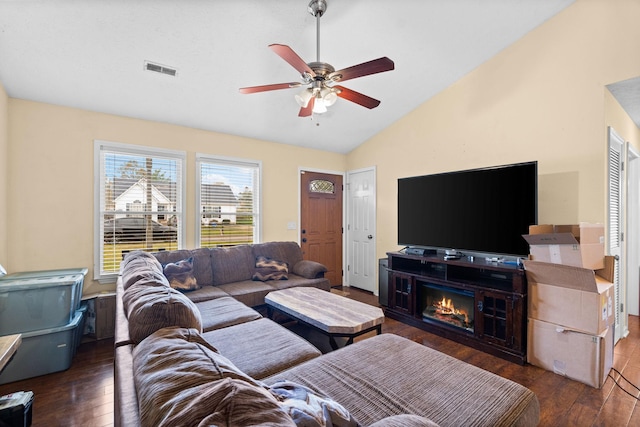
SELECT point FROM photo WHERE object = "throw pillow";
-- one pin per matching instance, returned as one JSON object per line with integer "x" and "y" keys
{"x": 309, "y": 409}
{"x": 270, "y": 269}
{"x": 180, "y": 275}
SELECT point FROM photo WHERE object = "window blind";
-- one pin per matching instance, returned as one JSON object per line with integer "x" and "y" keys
{"x": 228, "y": 200}
{"x": 140, "y": 204}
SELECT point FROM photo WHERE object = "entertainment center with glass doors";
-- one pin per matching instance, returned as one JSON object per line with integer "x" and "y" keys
{"x": 470, "y": 300}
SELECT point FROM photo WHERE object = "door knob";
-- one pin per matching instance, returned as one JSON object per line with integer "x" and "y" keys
{"x": 304, "y": 240}
{"x": 369, "y": 237}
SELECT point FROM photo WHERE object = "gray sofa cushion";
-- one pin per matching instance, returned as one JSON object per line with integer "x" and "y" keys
{"x": 182, "y": 380}
{"x": 451, "y": 392}
{"x": 138, "y": 265}
{"x": 149, "y": 308}
{"x": 226, "y": 311}
{"x": 297, "y": 281}
{"x": 206, "y": 293}
{"x": 233, "y": 264}
{"x": 308, "y": 269}
{"x": 262, "y": 347}
{"x": 404, "y": 420}
{"x": 250, "y": 292}
{"x": 288, "y": 252}
{"x": 165, "y": 257}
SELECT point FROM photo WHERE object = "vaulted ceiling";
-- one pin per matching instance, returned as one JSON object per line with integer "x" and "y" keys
{"x": 91, "y": 54}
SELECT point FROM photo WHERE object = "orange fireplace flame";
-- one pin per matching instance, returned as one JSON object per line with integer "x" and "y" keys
{"x": 446, "y": 307}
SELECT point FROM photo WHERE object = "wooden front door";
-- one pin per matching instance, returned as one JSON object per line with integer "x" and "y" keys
{"x": 321, "y": 221}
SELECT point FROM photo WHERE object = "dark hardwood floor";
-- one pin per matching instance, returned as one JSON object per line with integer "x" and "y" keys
{"x": 83, "y": 395}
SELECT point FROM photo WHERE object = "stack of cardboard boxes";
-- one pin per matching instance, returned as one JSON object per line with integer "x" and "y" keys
{"x": 570, "y": 302}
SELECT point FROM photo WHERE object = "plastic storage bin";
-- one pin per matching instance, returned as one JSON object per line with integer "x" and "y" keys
{"x": 39, "y": 300}
{"x": 50, "y": 273}
{"x": 43, "y": 352}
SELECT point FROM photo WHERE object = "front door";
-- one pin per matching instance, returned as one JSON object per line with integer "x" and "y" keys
{"x": 321, "y": 221}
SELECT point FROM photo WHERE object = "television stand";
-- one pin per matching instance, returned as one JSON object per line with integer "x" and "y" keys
{"x": 468, "y": 300}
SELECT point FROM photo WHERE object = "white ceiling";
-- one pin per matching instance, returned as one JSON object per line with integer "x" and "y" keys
{"x": 90, "y": 54}
{"x": 627, "y": 93}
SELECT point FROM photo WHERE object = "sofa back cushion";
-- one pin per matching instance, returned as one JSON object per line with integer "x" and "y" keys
{"x": 201, "y": 262}
{"x": 149, "y": 308}
{"x": 182, "y": 380}
{"x": 288, "y": 252}
{"x": 232, "y": 264}
{"x": 140, "y": 265}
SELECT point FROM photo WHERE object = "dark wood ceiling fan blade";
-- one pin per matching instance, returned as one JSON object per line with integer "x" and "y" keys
{"x": 357, "y": 97}
{"x": 379, "y": 65}
{"x": 286, "y": 53}
{"x": 264, "y": 88}
{"x": 308, "y": 110}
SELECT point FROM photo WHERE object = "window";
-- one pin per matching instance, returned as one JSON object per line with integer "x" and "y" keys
{"x": 228, "y": 198}
{"x": 139, "y": 202}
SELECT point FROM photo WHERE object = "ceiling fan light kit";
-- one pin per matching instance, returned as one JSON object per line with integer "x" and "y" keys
{"x": 320, "y": 77}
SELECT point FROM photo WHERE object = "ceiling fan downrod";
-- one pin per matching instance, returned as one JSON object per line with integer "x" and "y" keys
{"x": 317, "y": 8}
{"x": 320, "y": 77}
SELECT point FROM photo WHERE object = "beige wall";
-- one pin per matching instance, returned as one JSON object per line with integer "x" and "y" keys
{"x": 617, "y": 118}
{"x": 51, "y": 195}
{"x": 543, "y": 98}
{"x": 4, "y": 175}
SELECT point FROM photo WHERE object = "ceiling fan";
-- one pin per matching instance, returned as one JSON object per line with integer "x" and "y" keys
{"x": 320, "y": 77}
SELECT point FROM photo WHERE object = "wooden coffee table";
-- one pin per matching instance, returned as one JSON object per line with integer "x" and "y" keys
{"x": 331, "y": 314}
{"x": 8, "y": 346}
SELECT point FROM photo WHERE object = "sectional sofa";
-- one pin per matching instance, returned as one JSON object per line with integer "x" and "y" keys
{"x": 185, "y": 359}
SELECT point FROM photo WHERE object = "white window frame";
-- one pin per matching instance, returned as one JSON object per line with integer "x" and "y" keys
{"x": 136, "y": 150}
{"x": 232, "y": 161}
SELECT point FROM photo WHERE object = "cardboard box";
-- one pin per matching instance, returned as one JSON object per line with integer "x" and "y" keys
{"x": 582, "y": 357}
{"x": 573, "y": 297}
{"x": 580, "y": 245}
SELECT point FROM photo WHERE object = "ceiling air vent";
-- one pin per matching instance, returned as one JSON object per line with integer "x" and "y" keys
{"x": 162, "y": 69}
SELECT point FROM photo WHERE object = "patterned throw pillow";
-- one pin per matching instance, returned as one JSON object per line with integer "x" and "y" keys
{"x": 270, "y": 269}
{"x": 180, "y": 275}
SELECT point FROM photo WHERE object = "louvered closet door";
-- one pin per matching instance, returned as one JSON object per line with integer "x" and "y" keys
{"x": 615, "y": 224}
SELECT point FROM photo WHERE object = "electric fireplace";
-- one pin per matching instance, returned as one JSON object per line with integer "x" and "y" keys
{"x": 472, "y": 301}
{"x": 448, "y": 305}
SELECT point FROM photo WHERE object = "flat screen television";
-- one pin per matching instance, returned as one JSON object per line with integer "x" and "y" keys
{"x": 480, "y": 210}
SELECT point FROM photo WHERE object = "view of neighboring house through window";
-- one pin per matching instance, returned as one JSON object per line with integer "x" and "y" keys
{"x": 228, "y": 197}
{"x": 139, "y": 202}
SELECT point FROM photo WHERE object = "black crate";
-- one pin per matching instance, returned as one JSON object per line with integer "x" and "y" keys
{"x": 17, "y": 416}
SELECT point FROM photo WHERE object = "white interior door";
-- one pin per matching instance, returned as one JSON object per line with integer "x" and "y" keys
{"x": 361, "y": 227}
{"x": 632, "y": 243}
{"x": 615, "y": 226}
